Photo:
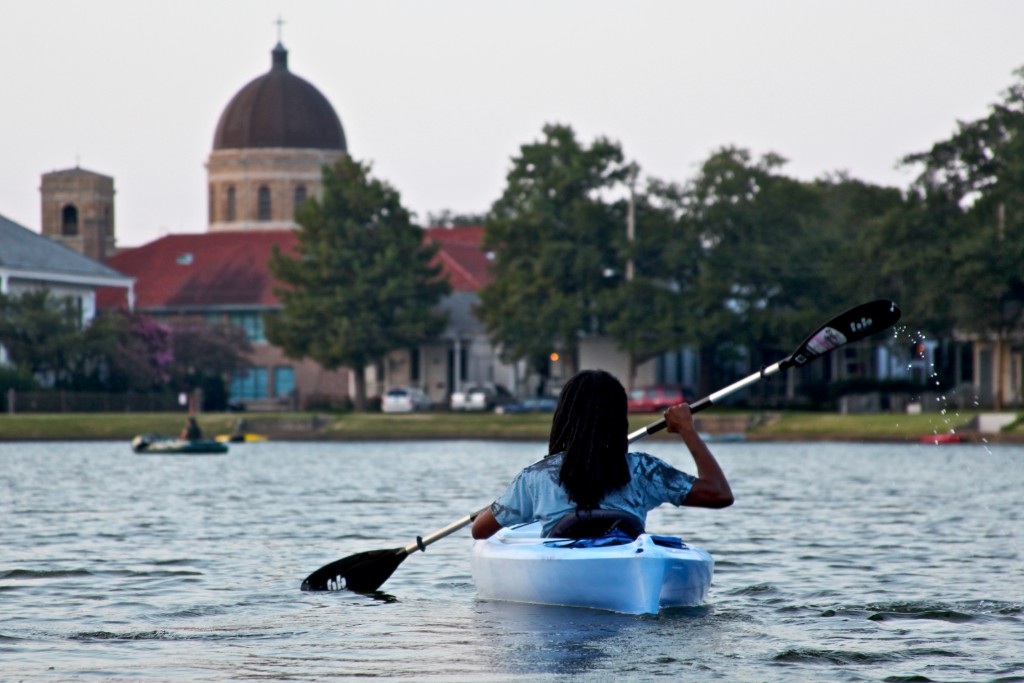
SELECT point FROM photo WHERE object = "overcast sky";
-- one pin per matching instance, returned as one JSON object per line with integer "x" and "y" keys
{"x": 440, "y": 94}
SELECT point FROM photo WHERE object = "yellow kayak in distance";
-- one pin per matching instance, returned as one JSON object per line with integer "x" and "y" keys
{"x": 240, "y": 438}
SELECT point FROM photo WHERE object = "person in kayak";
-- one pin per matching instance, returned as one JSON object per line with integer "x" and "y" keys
{"x": 591, "y": 469}
{"x": 191, "y": 431}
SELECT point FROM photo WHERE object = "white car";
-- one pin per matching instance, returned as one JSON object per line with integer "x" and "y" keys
{"x": 404, "y": 400}
{"x": 484, "y": 397}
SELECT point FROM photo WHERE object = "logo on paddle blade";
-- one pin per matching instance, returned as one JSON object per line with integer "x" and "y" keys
{"x": 825, "y": 340}
{"x": 861, "y": 325}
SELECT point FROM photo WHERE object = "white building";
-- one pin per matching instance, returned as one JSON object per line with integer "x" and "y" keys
{"x": 29, "y": 261}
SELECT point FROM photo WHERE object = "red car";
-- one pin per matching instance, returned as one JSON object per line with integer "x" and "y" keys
{"x": 655, "y": 399}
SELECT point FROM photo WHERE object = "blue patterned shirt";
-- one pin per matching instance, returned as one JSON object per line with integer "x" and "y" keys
{"x": 535, "y": 493}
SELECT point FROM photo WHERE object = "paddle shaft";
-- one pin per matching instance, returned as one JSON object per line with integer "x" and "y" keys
{"x": 423, "y": 541}
{"x": 710, "y": 400}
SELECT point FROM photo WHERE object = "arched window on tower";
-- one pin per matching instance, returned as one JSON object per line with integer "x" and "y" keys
{"x": 263, "y": 203}
{"x": 300, "y": 196}
{"x": 69, "y": 221}
{"x": 229, "y": 200}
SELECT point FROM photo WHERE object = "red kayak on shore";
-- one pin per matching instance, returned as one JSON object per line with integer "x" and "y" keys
{"x": 940, "y": 438}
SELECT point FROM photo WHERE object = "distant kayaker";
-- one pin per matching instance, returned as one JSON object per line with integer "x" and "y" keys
{"x": 191, "y": 432}
{"x": 590, "y": 467}
{"x": 238, "y": 433}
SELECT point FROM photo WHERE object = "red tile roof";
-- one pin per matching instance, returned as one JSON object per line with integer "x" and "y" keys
{"x": 465, "y": 234}
{"x": 229, "y": 269}
{"x": 201, "y": 270}
{"x": 467, "y": 266}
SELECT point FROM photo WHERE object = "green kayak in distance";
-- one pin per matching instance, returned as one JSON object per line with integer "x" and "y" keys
{"x": 160, "y": 444}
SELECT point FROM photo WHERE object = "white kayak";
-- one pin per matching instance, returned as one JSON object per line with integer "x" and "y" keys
{"x": 638, "y": 577}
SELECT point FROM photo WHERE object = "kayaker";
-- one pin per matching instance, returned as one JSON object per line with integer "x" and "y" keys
{"x": 238, "y": 433}
{"x": 590, "y": 467}
{"x": 191, "y": 432}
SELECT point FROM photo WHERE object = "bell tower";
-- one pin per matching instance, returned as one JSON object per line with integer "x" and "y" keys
{"x": 78, "y": 211}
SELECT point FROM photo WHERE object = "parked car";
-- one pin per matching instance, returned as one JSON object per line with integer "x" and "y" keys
{"x": 481, "y": 397}
{"x": 541, "y": 404}
{"x": 655, "y": 399}
{"x": 404, "y": 400}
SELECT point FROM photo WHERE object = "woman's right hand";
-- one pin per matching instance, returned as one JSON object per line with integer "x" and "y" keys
{"x": 710, "y": 488}
{"x": 679, "y": 419}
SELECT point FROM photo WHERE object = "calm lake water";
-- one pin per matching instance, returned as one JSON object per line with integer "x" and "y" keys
{"x": 840, "y": 562}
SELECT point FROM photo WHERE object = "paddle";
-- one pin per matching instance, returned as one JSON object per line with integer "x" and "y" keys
{"x": 366, "y": 572}
{"x": 850, "y": 326}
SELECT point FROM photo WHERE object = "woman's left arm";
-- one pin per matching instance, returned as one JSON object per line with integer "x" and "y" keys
{"x": 485, "y": 525}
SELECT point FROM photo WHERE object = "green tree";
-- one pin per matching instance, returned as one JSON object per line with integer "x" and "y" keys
{"x": 362, "y": 282}
{"x": 449, "y": 219}
{"x": 852, "y": 210}
{"x": 759, "y": 280}
{"x": 553, "y": 234}
{"x": 976, "y": 178}
{"x": 775, "y": 255}
{"x": 908, "y": 252}
{"x": 974, "y": 183}
{"x": 42, "y": 334}
{"x": 647, "y": 311}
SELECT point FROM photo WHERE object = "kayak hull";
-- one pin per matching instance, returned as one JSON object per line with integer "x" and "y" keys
{"x": 640, "y": 577}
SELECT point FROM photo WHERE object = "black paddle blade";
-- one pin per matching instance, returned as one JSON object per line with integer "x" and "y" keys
{"x": 853, "y": 325}
{"x": 362, "y": 572}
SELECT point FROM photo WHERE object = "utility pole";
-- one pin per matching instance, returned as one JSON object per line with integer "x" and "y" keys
{"x": 631, "y": 223}
{"x": 630, "y": 237}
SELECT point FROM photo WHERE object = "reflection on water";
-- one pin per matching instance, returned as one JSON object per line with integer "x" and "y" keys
{"x": 838, "y": 561}
{"x": 532, "y": 639}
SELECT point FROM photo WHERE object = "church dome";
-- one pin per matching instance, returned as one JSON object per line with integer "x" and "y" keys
{"x": 279, "y": 109}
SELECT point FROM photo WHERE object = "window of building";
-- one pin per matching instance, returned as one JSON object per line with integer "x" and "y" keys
{"x": 211, "y": 203}
{"x": 229, "y": 210}
{"x": 284, "y": 380}
{"x": 251, "y": 322}
{"x": 249, "y": 385}
{"x": 263, "y": 203}
{"x": 414, "y": 365}
{"x": 69, "y": 221}
{"x": 457, "y": 366}
{"x": 300, "y": 196}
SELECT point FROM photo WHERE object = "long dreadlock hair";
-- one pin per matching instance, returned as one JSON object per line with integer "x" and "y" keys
{"x": 590, "y": 426}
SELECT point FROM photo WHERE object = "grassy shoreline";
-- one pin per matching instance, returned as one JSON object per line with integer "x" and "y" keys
{"x": 775, "y": 425}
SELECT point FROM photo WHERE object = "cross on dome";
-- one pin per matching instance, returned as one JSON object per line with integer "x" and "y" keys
{"x": 280, "y": 22}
